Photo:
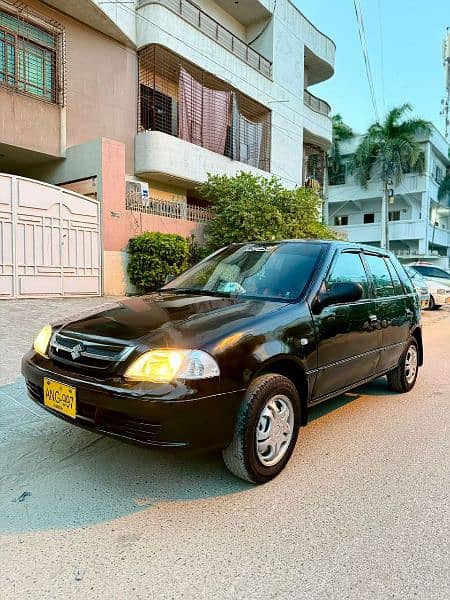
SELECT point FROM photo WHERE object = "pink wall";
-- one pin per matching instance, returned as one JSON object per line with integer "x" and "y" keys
{"x": 119, "y": 224}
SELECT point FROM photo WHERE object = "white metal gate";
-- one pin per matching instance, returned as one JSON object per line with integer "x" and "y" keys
{"x": 49, "y": 241}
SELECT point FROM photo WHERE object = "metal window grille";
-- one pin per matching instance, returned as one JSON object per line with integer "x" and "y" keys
{"x": 199, "y": 19}
{"x": 313, "y": 166}
{"x": 248, "y": 139}
{"x": 168, "y": 208}
{"x": 32, "y": 50}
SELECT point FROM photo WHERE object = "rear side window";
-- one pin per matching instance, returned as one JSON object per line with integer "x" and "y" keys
{"x": 398, "y": 288}
{"x": 381, "y": 277}
{"x": 348, "y": 267}
{"x": 432, "y": 271}
{"x": 404, "y": 277}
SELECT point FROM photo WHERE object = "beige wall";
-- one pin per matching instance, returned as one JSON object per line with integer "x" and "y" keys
{"x": 101, "y": 96}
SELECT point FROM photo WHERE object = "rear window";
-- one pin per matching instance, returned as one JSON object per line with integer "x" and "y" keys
{"x": 432, "y": 271}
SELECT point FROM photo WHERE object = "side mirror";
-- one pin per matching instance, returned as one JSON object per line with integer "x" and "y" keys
{"x": 169, "y": 278}
{"x": 341, "y": 292}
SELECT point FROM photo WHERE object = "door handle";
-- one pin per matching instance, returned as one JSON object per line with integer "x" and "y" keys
{"x": 373, "y": 318}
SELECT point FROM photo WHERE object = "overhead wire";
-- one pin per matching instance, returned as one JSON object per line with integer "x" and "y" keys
{"x": 365, "y": 51}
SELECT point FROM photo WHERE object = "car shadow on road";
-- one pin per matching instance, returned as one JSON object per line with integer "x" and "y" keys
{"x": 54, "y": 475}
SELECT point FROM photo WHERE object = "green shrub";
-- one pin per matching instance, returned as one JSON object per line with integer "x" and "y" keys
{"x": 152, "y": 256}
{"x": 197, "y": 252}
{"x": 248, "y": 207}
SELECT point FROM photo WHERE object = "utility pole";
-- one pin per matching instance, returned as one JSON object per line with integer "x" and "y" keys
{"x": 445, "y": 102}
{"x": 384, "y": 242}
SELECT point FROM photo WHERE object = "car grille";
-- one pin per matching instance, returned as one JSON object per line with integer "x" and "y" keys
{"x": 106, "y": 421}
{"x": 80, "y": 352}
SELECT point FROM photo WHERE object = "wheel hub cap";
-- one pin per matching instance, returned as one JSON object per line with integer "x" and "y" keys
{"x": 274, "y": 430}
{"x": 411, "y": 364}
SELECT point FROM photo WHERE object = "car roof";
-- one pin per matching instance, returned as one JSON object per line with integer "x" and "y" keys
{"x": 336, "y": 244}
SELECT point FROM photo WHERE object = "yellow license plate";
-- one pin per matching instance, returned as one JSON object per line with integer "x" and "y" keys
{"x": 60, "y": 397}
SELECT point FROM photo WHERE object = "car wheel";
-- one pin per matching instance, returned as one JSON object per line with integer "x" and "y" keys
{"x": 266, "y": 429}
{"x": 403, "y": 377}
{"x": 432, "y": 305}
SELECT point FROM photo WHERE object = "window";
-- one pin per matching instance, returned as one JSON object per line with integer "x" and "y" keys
{"x": 28, "y": 57}
{"x": 398, "y": 288}
{"x": 394, "y": 215}
{"x": 438, "y": 176}
{"x": 342, "y": 220}
{"x": 158, "y": 111}
{"x": 381, "y": 278}
{"x": 369, "y": 218}
{"x": 432, "y": 271}
{"x": 337, "y": 176}
{"x": 348, "y": 267}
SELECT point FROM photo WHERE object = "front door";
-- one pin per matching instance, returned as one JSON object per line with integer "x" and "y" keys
{"x": 348, "y": 336}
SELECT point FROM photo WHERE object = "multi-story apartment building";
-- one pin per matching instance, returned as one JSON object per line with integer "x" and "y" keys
{"x": 132, "y": 104}
{"x": 419, "y": 224}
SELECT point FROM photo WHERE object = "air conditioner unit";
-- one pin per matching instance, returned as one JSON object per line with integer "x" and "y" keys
{"x": 137, "y": 192}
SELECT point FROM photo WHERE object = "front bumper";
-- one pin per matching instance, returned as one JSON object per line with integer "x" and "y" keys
{"x": 154, "y": 415}
{"x": 442, "y": 299}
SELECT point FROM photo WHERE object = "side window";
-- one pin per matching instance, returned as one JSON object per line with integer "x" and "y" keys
{"x": 398, "y": 288}
{"x": 404, "y": 277}
{"x": 348, "y": 267}
{"x": 381, "y": 277}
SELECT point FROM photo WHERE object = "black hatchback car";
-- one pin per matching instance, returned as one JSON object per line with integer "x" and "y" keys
{"x": 232, "y": 353}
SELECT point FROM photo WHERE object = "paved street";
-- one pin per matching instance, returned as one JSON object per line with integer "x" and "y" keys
{"x": 359, "y": 513}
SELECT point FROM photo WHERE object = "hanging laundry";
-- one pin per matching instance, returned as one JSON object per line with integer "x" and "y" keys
{"x": 203, "y": 114}
{"x": 247, "y": 137}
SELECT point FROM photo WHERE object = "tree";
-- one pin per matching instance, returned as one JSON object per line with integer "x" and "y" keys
{"x": 340, "y": 133}
{"x": 249, "y": 207}
{"x": 388, "y": 151}
{"x": 444, "y": 186}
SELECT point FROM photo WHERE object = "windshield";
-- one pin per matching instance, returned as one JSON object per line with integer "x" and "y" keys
{"x": 432, "y": 272}
{"x": 270, "y": 271}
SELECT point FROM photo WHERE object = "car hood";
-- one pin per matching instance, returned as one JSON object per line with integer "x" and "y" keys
{"x": 169, "y": 320}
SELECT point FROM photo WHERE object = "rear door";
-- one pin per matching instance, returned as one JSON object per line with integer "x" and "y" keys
{"x": 392, "y": 307}
{"x": 348, "y": 337}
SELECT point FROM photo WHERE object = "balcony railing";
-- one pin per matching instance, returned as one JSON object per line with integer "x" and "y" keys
{"x": 195, "y": 16}
{"x": 182, "y": 100}
{"x": 167, "y": 208}
{"x": 316, "y": 104}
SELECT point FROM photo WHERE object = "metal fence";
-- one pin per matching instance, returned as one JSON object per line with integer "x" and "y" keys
{"x": 316, "y": 103}
{"x": 168, "y": 208}
{"x": 195, "y": 16}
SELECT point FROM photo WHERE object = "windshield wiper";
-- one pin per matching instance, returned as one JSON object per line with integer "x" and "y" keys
{"x": 197, "y": 292}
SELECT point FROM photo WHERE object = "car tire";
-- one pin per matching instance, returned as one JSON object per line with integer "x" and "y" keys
{"x": 432, "y": 305}
{"x": 403, "y": 377}
{"x": 266, "y": 429}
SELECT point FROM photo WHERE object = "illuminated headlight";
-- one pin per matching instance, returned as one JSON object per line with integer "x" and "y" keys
{"x": 163, "y": 366}
{"x": 42, "y": 340}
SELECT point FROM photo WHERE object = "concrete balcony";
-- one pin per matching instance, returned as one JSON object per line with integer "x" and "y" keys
{"x": 411, "y": 184}
{"x": 398, "y": 230}
{"x": 178, "y": 25}
{"x": 38, "y": 137}
{"x": 438, "y": 236}
{"x": 163, "y": 157}
{"x": 316, "y": 120}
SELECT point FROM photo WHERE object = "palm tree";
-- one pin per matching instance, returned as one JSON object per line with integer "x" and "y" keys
{"x": 388, "y": 151}
{"x": 444, "y": 186}
{"x": 340, "y": 132}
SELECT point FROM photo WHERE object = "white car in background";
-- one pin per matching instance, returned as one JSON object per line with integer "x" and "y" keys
{"x": 438, "y": 281}
{"x": 421, "y": 286}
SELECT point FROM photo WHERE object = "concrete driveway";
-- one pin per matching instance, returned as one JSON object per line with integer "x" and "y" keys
{"x": 360, "y": 511}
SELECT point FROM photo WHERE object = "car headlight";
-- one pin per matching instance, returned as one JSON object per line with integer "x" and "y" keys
{"x": 42, "y": 340}
{"x": 163, "y": 366}
{"x": 443, "y": 291}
